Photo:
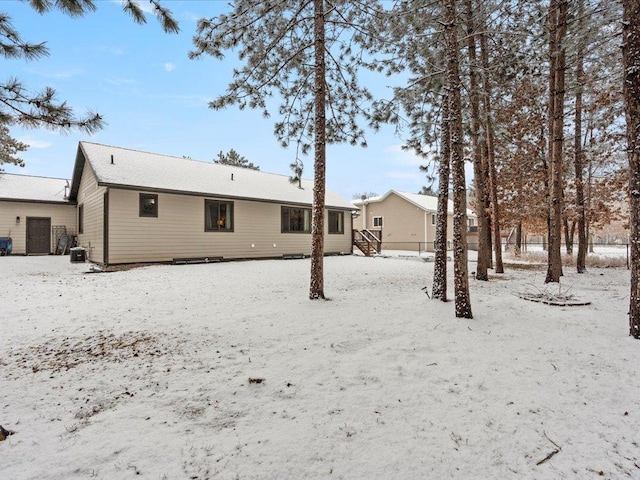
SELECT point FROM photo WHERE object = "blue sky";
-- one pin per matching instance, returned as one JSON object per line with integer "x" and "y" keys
{"x": 154, "y": 99}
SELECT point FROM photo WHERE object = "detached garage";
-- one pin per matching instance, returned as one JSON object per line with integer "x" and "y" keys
{"x": 35, "y": 212}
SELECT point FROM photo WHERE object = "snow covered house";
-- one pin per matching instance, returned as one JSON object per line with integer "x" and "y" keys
{"x": 35, "y": 212}
{"x": 404, "y": 221}
{"x": 135, "y": 206}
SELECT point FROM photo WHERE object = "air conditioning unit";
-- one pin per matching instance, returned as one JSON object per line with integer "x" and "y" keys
{"x": 78, "y": 255}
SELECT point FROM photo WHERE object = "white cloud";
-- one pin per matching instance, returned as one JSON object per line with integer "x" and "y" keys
{"x": 169, "y": 66}
{"x": 404, "y": 157}
{"x": 33, "y": 143}
{"x": 120, "y": 81}
{"x": 57, "y": 75}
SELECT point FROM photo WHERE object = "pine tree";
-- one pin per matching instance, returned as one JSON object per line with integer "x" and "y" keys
{"x": 234, "y": 159}
{"x": 479, "y": 170}
{"x": 304, "y": 51}
{"x": 631, "y": 62}
{"x": 10, "y": 147}
{"x": 557, "y": 32}
{"x": 19, "y": 106}
{"x": 578, "y": 152}
{"x": 297, "y": 168}
{"x": 439, "y": 288}
{"x": 461, "y": 277}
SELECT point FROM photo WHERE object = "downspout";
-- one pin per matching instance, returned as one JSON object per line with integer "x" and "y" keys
{"x": 425, "y": 231}
{"x": 364, "y": 214}
{"x": 105, "y": 228}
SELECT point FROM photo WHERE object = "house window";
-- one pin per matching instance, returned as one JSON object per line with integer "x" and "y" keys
{"x": 218, "y": 216}
{"x": 336, "y": 222}
{"x": 80, "y": 218}
{"x": 296, "y": 220}
{"x": 148, "y": 205}
{"x": 434, "y": 219}
{"x": 472, "y": 222}
{"x": 377, "y": 221}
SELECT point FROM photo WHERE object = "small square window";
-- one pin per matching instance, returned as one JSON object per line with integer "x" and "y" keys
{"x": 336, "y": 222}
{"x": 218, "y": 216}
{"x": 148, "y": 205}
{"x": 377, "y": 221}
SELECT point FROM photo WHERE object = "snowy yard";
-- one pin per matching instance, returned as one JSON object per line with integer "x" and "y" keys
{"x": 228, "y": 371}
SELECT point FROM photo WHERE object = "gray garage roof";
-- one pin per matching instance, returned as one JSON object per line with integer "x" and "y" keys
{"x": 23, "y": 188}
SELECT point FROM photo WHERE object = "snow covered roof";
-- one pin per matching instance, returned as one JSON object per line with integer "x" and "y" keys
{"x": 126, "y": 168}
{"x": 15, "y": 187}
{"x": 425, "y": 202}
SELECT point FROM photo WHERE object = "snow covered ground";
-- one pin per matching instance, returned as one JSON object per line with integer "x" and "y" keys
{"x": 228, "y": 371}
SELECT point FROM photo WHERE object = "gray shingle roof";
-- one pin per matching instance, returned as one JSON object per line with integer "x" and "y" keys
{"x": 29, "y": 188}
{"x": 425, "y": 202}
{"x": 156, "y": 172}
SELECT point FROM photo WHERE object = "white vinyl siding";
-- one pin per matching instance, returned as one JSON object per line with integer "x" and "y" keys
{"x": 9, "y": 226}
{"x": 91, "y": 196}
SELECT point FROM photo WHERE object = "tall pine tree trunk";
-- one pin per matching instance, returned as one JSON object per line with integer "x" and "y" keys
{"x": 631, "y": 60}
{"x": 578, "y": 152}
{"x": 460, "y": 267}
{"x": 558, "y": 28}
{"x": 490, "y": 149}
{"x": 316, "y": 289}
{"x": 479, "y": 180}
{"x": 439, "y": 289}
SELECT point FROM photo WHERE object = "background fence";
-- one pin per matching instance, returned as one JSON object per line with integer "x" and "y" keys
{"x": 621, "y": 250}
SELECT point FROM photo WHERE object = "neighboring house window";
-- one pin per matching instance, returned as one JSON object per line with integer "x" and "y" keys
{"x": 336, "y": 221}
{"x": 218, "y": 216}
{"x": 434, "y": 219}
{"x": 377, "y": 221}
{"x": 80, "y": 218}
{"x": 296, "y": 220}
{"x": 472, "y": 222}
{"x": 148, "y": 205}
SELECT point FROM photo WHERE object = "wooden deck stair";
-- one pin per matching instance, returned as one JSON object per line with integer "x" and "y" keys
{"x": 368, "y": 242}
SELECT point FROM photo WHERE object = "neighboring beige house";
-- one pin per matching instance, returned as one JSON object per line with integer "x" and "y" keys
{"x": 144, "y": 207}
{"x": 34, "y": 212}
{"x": 404, "y": 221}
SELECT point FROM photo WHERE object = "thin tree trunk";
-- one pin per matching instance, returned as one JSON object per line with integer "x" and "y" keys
{"x": 631, "y": 60}
{"x": 484, "y": 255}
{"x": 439, "y": 289}
{"x": 460, "y": 267}
{"x": 558, "y": 24}
{"x": 578, "y": 159}
{"x": 519, "y": 238}
{"x": 568, "y": 235}
{"x": 491, "y": 163}
{"x": 316, "y": 289}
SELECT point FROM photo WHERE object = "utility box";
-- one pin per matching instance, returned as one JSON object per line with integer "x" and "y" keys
{"x": 78, "y": 255}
